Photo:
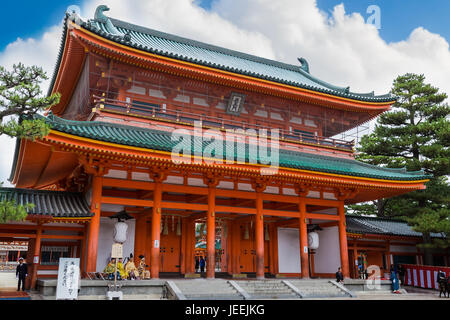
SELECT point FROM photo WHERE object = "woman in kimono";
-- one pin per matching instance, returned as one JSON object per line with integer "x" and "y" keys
{"x": 394, "y": 281}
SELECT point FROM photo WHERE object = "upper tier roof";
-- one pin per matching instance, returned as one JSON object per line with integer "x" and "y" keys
{"x": 162, "y": 141}
{"x": 200, "y": 53}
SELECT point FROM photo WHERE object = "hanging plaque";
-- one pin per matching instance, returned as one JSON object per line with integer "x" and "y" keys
{"x": 235, "y": 103}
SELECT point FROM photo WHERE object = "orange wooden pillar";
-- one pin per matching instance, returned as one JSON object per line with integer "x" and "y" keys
{"x": 94, "y": 225}
{"x": 343, "y": 241}
{"x": 156, "y": 229}
{"x": 83, "y": 251}
{"x": 235, "y": 251}
{"x": 36, "y": 256}
{"x": 211, "y": 232}
{"x": 183, "y": 250}
{"x": 190, "y": 243}
{"x": 229, "y": 252}
{"x": 303, "y": 232}
{"x": 259, "y": 235}
{"x": 140, "y": 237}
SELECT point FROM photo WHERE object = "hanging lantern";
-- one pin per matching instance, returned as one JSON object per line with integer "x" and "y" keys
{"x": 179, "y": 227}
{"x": 313, "y": 240}
{"x": 166, "y": 227}
{"x": 246, "y": 236}
{"x": 120, "y": 232}
{"x": 266, "y": 234}
{"x": 120, "y": 227}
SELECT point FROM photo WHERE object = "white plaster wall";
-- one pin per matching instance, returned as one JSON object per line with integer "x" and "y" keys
{"x": 105, "y": 241}
{"x": 288, "y": 250}
{"x": 327, "y": 258}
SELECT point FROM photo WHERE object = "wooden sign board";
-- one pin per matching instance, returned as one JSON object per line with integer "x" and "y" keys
{"x": 68, "y": 278}
{"x": 117, "y": 250}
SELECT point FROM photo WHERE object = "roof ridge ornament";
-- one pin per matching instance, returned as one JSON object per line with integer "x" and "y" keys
{"x": 100, "y": 17}
{"x": 304, "y": 64}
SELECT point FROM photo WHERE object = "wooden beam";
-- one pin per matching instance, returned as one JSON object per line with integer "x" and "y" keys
{"x": 58, "y": 236}
{"x": 127, "y": 201}
{"x": 16, "y": 235}
{"x": 322, "y": 216}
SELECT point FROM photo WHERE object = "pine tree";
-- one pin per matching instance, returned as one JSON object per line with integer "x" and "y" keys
{"x": 21, "y": 98}
{"x": 414, "y": 134}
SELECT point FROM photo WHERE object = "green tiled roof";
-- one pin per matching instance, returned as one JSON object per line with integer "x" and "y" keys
{"x": 161, "y": 140}
{"x": 383, "y": 226}
{"x": 204, "y": 54}
{"x": 60, "y": 204}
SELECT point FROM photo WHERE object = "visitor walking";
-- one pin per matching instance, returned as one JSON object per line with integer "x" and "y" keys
{"x": 21, "y": 274}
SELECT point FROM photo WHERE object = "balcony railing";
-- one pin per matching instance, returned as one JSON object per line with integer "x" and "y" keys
{"x": 157, "y": 111}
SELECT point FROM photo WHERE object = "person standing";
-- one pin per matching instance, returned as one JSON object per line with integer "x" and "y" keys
{"x": 339, "y": 276}
{"x": 197, "y": 263}
{"x": 202, "y": 264}
{"x": 21, "y": 274}
{"x": 394, "y": 280}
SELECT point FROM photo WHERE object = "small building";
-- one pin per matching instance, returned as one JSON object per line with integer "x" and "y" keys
{"x": 178, "y": 132}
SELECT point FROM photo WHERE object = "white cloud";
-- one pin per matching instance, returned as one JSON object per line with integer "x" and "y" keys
{"x": 340, "y": 48}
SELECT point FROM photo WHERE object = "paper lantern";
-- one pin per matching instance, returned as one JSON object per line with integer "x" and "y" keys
{"x": 179, "y": 227}
{"x": 313, "y": 240}
{"x": 166, "y": 227}
{"x": 246, "y": 236}
{"x": 120, "y": 232}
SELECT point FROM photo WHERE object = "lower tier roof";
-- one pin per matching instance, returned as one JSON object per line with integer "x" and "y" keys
{"x": 160, "y": 140}
{"x": 58, "y": 204}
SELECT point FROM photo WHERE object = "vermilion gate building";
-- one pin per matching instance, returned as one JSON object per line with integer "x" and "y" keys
{"x": 130, "y": 95}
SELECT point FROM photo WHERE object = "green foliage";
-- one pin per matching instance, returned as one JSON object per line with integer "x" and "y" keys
{"x": 21, "y": 98}
{"x": 10, "y": 211}
{"x": 414, "y": 134}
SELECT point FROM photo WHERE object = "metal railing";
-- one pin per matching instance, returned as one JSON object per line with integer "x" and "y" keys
{"x": 162, "y": 113}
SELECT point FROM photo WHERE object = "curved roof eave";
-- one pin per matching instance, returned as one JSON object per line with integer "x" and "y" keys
{"x": 295, "y": 72}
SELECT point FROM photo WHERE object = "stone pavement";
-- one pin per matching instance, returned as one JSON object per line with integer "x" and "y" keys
{"x": 8, "y": 280}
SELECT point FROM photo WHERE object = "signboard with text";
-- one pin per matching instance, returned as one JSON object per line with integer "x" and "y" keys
{"x": 68, "y": 278}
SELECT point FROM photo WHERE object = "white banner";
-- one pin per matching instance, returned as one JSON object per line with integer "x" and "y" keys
{"x": 68, "y": 278}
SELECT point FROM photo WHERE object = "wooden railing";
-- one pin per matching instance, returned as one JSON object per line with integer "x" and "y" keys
{"x": 157, "y": 111}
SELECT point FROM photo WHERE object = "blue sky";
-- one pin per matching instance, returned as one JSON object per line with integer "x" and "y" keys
{"x": 398, "y": 17}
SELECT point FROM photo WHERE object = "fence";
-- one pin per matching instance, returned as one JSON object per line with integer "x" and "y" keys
{"x": 423, "y": 276}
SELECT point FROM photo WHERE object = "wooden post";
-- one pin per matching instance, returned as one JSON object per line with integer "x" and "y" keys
{"x": 259, "y": 235}
{"x": 84, "y": 244}
{"x": 140, "y": 237}
{"x": 36, "y": 253}
{"x": 190, "y": 243}
{"x": 229, "y": 252}
{"x": 94, "y": 225}
{"x": 183, "y": 250}
{"x": 236, "y": 248}
{"x": 343, "y": 241}
{"x": 211, "y": 232}
{"x": 156, "y": 230}
{"x": 303, "y": 233}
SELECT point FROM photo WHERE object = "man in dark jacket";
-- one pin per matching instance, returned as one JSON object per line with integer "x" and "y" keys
{"x": 21, "y": 274}
{"x": 339, "y": 276}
